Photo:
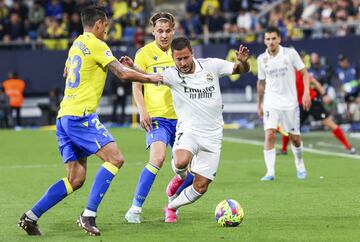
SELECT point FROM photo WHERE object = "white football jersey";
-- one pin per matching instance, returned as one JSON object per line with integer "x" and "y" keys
{"x": 197, "y": 97}
{"x": 280, "y": 79}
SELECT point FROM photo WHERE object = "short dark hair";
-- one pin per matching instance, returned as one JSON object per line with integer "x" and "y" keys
{"x": 273, "y": 29}
{"x": 180, "y": 43}
{"x": 162, "y": 16}
{"x": 91, "y": 14}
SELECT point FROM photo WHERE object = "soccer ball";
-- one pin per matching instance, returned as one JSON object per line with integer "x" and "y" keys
{"x": 229, "y": 213}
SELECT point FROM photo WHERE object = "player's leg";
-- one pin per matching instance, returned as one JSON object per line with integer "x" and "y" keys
{"x": 320, "y": 113}
{"x": 271, "y": 121}
{"x": 204, "y": 167}
{"x": 292, "y": 125}
{"x": 113, "y": 160}
{"x": 58, "y": 191}
{"x": 75, "y": 163}
{"x": 157, "y": 140}
{"x": 146, "y": 180}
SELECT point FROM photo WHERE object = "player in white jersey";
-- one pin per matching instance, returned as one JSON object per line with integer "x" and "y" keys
{"x": 198, "y": 104}
{"x": 195, "y": 90}
{"x": 277, "y": 99}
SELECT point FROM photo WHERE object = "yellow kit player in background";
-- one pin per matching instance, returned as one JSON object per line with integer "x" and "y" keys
{"x": 157, "y": 114}
{"x": 78, "y": 128}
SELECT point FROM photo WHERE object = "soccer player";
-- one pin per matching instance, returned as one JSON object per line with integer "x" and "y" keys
{"x": 317, "y": 111}
{"x": 78, "y": 128}
{"x": 276, "y": 87}
{"x": 195, "y": 89}
{"x": 157, "y": 114}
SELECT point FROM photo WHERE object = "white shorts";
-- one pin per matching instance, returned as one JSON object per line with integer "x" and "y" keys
{"x": 206, "y": 152}
{"x": 290, "y": 119}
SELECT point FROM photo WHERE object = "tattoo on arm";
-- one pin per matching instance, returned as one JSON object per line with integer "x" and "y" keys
{"x": 241, "y": 67}
{"x": 116, "y": 68}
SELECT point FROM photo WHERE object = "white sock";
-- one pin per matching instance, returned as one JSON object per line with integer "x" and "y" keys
{"x": 270, "y": 156}
{"x": 187, "y": 196}
{"x": 89, "y": 213}
{"x": 181, "y": 172}
{"x": 32, "y": 215}
{"x": 135, "y": 209}
{"x": 298, "y": 155}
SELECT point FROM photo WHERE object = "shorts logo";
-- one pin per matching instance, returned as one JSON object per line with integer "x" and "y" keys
{"x": 155, "y": 58}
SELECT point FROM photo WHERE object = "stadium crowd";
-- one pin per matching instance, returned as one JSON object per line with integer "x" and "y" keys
{"x": 23, "y": 21}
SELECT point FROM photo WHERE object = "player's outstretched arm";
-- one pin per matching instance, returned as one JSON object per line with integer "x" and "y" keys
{"x": 126, "y": 73}
{"x": 242, "y": 55}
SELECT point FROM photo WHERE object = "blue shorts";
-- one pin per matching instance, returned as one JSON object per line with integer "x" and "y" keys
{"x": 163, "y": 129}
{"x": 80, "y": 137}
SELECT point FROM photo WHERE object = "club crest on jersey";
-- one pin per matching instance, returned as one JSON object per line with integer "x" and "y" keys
{"x": 108, "y": 53}
{"x": 209, "y": 77}
{"x": 155, "y": 58}
{"x": 266, "y": 60}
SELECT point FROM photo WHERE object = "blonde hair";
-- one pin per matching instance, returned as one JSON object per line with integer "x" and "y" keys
{"x": 162, "y": 16}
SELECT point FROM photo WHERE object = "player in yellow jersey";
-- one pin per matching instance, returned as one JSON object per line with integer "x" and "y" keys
{"x": 157, "y": 114}
{"x": 78, "y": 129}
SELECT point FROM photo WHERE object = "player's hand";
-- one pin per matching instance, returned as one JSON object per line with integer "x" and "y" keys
{"x": 65, "y": 72}
{"x": 242, "y": 54}
{"x": 145, "y": 121}
{"x": 156, "y": 78}
{"x": 260, "y": 111}
{"x": 306, "y": 100}
{"x": 126, "y": 61}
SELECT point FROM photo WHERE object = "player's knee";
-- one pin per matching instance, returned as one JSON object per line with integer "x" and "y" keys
{"x": 180, "y": 163}
{"x": 77, "y": 182}
{"x": 117, "y": 160}
{"x": 201, "y": 187}
{"x": 271, "y": 135}
{"x": 158, "y": 160}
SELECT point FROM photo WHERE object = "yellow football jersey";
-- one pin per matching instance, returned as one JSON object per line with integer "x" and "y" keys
{"x": 158, "y": 99}
{"x": 86, "y": 75}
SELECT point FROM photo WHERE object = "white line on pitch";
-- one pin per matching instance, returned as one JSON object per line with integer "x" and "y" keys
{"x": 310, "y": 150}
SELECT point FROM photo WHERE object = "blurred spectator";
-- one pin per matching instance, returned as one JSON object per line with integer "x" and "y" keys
{"x": 120, "y": 91}
{"x": 15, "y": 30}
{"x": 4, "y": 109}
{"x": 36, "y": 15}
{"x": 137, "y": 16}
{"x": 69, "y": 7}
{"x": 193, "y": 6}
{"x": 317, "y": 69}
{"x": 139, "y": 37}
{"x": 55, "y": 38}
{"x": 347, "y": 76}
{"x": 14, "y": 88}
{"x": 75, "y": 28}
{"x": 54, "y": 103}
{"x": 191, "y": 25}
{"x": 114, "y": 32}
{"x": 244, "y": 21}
{"x": 54, "y": 9}
{"x": 215, "y": 24}
{"x": 120, "y": 11}
{"x": 208, "y": 7}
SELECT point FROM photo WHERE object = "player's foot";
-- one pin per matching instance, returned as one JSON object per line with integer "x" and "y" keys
{"x": 281, "y": 152}
{"x": 301, "y": 175}
{"x": 88, "y": 224}
{"x": 170, "y": 215}
{"x": 28, "y": 225}
{"x": 267, "y": 178}
{"x": 352, "y": 151}
{"x": 133, "y": 217}
{"x": 173, "y": 185}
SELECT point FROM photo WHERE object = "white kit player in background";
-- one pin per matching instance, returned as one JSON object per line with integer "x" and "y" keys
{"x": 198, "y": 104}
{"x": 277, "y": 99}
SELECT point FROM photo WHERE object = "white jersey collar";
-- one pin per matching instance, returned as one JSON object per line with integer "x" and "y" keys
{"x": 281, "y": 52}
{"x": 198, "y": 68}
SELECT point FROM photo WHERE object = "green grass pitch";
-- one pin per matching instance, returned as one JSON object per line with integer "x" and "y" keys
{"x": 324, "y": 207}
